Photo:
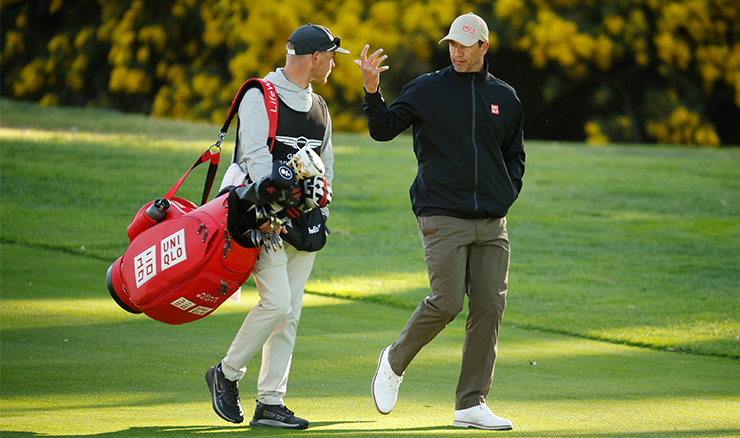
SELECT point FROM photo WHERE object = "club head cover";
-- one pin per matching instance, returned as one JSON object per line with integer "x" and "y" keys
{"x": 291, "y": 197}
{"x": 267, "y": 191}
{"x": 316, "y": 192}
{"x": 306, "y": 163}
{"x": 283, "y": 176}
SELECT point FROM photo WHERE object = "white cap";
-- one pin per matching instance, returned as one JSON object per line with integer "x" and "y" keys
{"x": 467, "y": 30}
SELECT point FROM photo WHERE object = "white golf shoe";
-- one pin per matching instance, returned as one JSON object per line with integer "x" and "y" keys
{"x": 480, "y": 417}
{"x": 385, "y": 384}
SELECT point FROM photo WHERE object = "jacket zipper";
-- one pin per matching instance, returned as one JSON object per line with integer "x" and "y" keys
{"x": 475, "y": 146}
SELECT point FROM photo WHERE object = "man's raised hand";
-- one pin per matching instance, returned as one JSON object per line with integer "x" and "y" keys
{"x": 371, "y": 68}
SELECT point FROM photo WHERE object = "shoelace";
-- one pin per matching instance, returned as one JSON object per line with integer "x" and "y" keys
{"x": 231, "y": 390}
{"x": 287, "y": 411}
{"x": 391, "y": 379}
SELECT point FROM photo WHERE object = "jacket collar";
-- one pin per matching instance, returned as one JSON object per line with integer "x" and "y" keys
{"x": 480, "y": 76}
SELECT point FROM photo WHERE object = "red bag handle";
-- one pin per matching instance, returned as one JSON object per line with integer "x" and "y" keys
{"x": 213, "y": 153}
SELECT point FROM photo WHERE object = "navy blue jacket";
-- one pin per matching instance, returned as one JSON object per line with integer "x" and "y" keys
{"x": 468, "y": 139}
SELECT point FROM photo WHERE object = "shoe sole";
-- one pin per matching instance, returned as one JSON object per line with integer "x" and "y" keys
{"x": 211, "y": 381}
{"x": 479, "y": 426}
{"x": 273, "y": 423}
{"x": 372, "y": 387}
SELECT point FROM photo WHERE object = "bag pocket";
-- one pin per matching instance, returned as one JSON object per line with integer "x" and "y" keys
{"x": 307, "y": 232}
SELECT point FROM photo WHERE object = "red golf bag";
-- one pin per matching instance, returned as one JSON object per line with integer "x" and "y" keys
{"x": 184, "y": 261}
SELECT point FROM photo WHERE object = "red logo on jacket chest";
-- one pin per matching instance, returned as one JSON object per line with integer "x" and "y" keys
{"x": 494, "y": 109}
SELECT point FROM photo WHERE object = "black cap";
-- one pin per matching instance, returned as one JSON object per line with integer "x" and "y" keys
{"x": 311, "y": 38}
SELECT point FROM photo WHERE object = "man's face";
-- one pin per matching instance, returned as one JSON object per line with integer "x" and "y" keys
{"x": 323, "y": 67}
{"x": 467, "y": 59}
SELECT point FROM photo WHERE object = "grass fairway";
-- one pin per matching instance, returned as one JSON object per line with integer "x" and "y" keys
{"x": 75, "y": 364}
{"x": 633, "y": 245}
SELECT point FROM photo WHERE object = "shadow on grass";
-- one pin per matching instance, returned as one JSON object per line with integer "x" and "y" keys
{"x": 314, "y": 431}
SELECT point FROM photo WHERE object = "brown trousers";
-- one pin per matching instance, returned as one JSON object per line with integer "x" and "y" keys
{"x": 463, "y": 257}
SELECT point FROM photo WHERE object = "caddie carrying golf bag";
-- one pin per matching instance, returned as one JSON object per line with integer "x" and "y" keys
{"x": 184, "y": 261}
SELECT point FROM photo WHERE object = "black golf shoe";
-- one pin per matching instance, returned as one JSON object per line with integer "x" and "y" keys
{"x": 224, "y": 395}
{"x": 276, "y": 416}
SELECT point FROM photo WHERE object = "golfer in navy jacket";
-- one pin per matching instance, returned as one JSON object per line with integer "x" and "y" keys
{"x": 469, "y": 143}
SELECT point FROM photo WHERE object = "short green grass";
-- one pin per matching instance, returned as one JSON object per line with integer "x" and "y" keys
{"x": 74, "y": 364}
{"x": 635, "y": 245}
{"x": 631, "y": 244}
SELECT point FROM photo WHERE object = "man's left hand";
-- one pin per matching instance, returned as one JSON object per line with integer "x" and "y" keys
{"x": 371, "y": 68}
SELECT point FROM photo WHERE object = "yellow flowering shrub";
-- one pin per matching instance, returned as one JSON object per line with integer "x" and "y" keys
{"x": 683, "y": 127}
{"x": 689, "y": 43}
{"x": 630, "y": 70}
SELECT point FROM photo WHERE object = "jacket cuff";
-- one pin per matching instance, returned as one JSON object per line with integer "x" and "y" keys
{"x": 377, "y": 93}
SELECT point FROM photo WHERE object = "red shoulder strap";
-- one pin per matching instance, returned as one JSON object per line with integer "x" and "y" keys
{"x": 271, "y": 104}
{"x": 213, "y": 154}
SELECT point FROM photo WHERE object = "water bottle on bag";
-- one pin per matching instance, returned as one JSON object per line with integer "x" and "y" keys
{"x": 153, "y": 214}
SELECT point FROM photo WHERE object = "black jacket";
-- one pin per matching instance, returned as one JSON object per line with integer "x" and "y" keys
{"x": 468, "y": 140}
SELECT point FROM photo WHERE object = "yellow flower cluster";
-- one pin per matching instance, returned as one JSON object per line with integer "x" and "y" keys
{"x": 720, "y": 62}
{"x": 594, "y": 136}
{"x": 683, "y": 127}
{"x": 673, "y": 50}
{"x": 614, "y": 24}
{"x": 706, "y": 26}
{"x": 636, "y": 35}
{"x": 552, "y": 38}
{"x": 123, "y": 36}
{"x": 32, "y": 79}
{"x": 83, "y": 37}
{"x": 549, "y": 36}
{"x": 207, "y": 86}
{"x": 13, "y": 44}
{"x": 49, "y": 99}
{"x": 692, "y": 15}
{"x": 75, "y": 75}
{"x": 155, "y": 36}
{"x": 55, "y": 5}
{"x": 60, "y": 45}
{"x": 162, "y": 102}
{"x": 513, "y": 11}
{"x": 130, "y": 81}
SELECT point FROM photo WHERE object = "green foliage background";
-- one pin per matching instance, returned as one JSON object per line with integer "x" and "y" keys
{"x": 601, "y": 71}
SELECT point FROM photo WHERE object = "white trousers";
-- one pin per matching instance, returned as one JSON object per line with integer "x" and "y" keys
{"x": 273, "y": 323}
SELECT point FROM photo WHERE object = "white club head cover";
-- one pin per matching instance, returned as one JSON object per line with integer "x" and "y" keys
{"x": 306, "y": 163}
{"x": 316, "y": 192}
